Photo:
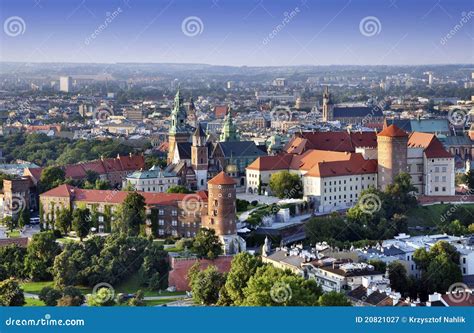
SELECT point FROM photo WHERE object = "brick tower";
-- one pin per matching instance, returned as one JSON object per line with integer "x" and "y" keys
{"x": 199, "y": 157}
{"x": 392, "y": 154}
{"x": 221, "y": 214}
{"x": 328, "y": 107}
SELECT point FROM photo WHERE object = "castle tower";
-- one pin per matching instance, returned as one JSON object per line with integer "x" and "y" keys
{"x": 222, "y": 216}
{"x": 229, "y": 131}
{"x": 192, "y": 116}
{"x": 178, "y": 131}
{"x": 328, "y": 107}
{"x": 199, "y": 157}
{"x": 392, "y": 154}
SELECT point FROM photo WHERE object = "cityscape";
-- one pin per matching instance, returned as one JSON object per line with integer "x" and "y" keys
{"x": 254, "y": 154}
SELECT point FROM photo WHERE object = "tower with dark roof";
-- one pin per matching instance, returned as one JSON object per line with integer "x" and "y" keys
{"x": 199, "y": 157}
{"x": 392, "y": 154}
{"x": 328, "y": 106}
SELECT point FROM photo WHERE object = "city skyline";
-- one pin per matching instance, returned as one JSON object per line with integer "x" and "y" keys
{"x": 247, "y": 33}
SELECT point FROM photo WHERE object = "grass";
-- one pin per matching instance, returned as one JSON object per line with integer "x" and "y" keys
{"x": 160, "y": 301}
{"x": 133, "y": 284}
{"x": 14, "y": 234}
{"x": 35, "y": 287}
{"x": 33, "y": 302}
{"x": 429, "y": 216}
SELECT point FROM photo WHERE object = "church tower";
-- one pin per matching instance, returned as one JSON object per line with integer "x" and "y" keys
{"x": 221, "y": 213}
{"x": 328, "y": 107}
{"x": 199, "y": 157}
{"x": 229, "y": 131}
{"x": 178, "y": 130}
{"x": 391, "y": 154}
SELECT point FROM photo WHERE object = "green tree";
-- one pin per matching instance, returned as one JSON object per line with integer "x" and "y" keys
{"x": 103, "y": 297}
{"x": 63, "y": 220}
{"x": 40, "y": 256}
{"x": 286, "y": 185}
{"x": 397, "y": 275}
{"x": 270, "y": 286}
{"x": 178, "y": 189}
{"x": 81, "y": 222}
{"x": 24, "y": 217}
{"x": 12, "y": 259}
{"x": 137, "y": 300}
{"x": 400, "y": 195}
{"x": 379, "y": 265}
{"x": 242, "y": 268}
{"x": 207, "y": 244}
{"x": 333, "y": 298}
{"x": 50, "y": 296}
{"x": 72, "y": 296}
{"x": 133, "y": 213}
{"x": 205, "y": 285}
{"x": 51, "y": 177}
{"x": 10, "y": 293}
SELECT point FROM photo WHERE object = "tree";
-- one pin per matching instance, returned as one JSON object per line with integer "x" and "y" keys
{"x": 470, "y": 179}
{"x": 242, "y": 268}
{"x": 286, "y": 185}
{"x": 397, "y": 275}
{"x": 81, "y": 222}
{"x": 205, "y": 285}
{"x": 24, "y": 218}
{"x": 133, "y": 213}
{"x": 138, "y": 299}
{"x": 10, "y": 293}
{"x": 207, "y": 244}
{"x": 379, "y": 265}
{"x": 271, "y": 286}
{"x": 12, "y": 259}
{"x": 439, "y": 266}
{"x": 178, "y": 189}
{"x": 63, "y": 220}
{"x": 51, "y": 177}
{"x": 333, "y": 298}
{"x": 103, "y": 297}
{"x": 155, "y": 266}
{"x": 40, "y": 256}
{"x": 71, "y": 297}
{"x": 50, "y": 296}
{"x": 400, "y": 195}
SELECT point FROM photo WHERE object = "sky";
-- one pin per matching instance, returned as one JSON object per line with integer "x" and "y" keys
{"x": 239, "y": 32}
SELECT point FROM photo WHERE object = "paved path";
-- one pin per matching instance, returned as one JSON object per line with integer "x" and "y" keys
{"x": 155, "y": 298}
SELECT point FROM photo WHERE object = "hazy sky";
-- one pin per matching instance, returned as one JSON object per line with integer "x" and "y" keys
{"x": 239, "y": 32}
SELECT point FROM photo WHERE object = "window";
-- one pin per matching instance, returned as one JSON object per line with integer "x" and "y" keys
{"x": 161, "y": 222}
{"x": 161, "y": 212}
{"x": 174, "y": 212}
{"x": 443, "y": 169}
{"x": 161, "y": 232}
{"x": 174, "y": 223}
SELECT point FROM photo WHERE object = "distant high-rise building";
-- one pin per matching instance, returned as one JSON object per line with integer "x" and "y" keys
{"x": 65, "y": 84}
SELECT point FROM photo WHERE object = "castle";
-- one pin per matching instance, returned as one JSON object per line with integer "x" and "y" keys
{"x": 196, "y": 157}
{"x": 335, "y": 167}
{"x": 170, "y": 214}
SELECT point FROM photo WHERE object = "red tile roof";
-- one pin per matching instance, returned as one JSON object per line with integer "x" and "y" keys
{"x": 355, "y": 165}
{"x": 117, "y": 197}
{"x": 21, "y": 242}
{"x": 433, "y": 148}
{"x": 393, "y": 131}
{"x": 331, "y": 141}
{"x": 222, "y": 179}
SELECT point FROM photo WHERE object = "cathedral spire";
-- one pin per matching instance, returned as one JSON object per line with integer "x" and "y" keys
{"x": 178, "y": 116}
{"x": 229, "y": 131}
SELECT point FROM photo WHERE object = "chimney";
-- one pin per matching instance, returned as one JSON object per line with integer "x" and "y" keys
{"x": 130, "y": 154}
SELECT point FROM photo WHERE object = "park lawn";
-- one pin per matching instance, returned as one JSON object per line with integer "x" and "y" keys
{"x": 33, "y": 302}
{"x": 160, "y": 301}
{"x": 133, "y": 284}
{"x": 35, "y": 287}
{"x": 429, "y": 216}
{"x": 14, "y": 234}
